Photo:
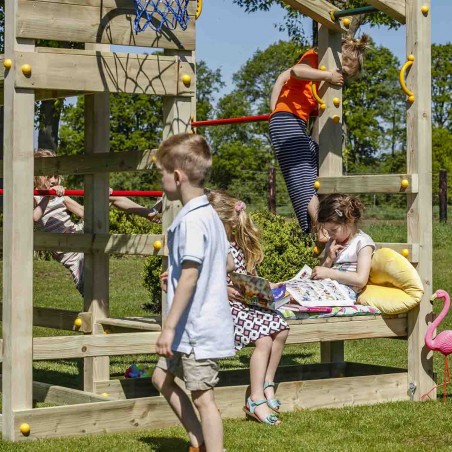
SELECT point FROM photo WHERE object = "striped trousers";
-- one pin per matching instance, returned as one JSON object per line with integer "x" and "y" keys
{"x": 298, "y": 157}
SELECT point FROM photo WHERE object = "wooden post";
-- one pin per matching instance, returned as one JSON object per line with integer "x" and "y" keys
{"x": 419, "y": 217}
{"x": 17, "y": 366}
{"x": 272, "y": 189}
{"x": 96, "y": 266}
{"x": 330, "y": 141}
{"x": 443, "y": 196}
{"x": 177, "y": 112}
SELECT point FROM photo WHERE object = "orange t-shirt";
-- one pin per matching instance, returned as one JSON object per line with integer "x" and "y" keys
{"x": 296, "y": 95}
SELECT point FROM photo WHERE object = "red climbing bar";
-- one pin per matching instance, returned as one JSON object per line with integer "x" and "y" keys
{"x": 144, "y": 194}
{"x": 219, "y": 122}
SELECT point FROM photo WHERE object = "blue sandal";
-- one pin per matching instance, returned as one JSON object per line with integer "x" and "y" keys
{"x": 250, "y": 408}
{"x": 274, "y": 404}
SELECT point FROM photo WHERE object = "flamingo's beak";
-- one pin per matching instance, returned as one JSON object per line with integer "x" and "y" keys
{"x": 433, "y": 297}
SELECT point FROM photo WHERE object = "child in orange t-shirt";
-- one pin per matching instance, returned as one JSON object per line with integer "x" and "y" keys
{"x": 292, "y": 103}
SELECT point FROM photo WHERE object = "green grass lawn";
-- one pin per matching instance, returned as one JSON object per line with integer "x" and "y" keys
{"x": 394, "y": 426}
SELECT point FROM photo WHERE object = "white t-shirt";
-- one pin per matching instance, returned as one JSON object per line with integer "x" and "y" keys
{"x": 197, "y": 234}
{"x": 347, "y": 258}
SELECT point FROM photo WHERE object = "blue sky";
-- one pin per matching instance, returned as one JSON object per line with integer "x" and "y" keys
{"x": 227, "y": 36}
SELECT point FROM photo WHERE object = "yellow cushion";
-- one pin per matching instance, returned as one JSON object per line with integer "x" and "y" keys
{"x": 394, "y": 284}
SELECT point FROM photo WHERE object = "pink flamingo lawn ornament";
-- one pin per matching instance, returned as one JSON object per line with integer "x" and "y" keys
{"x": 442, "y": 341}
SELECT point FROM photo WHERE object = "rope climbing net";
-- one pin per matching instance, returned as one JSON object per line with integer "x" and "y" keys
{"x": 158, "y": 14}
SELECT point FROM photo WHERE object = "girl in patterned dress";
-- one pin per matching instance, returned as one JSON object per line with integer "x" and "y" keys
{"x": 264, "y": 328}
{"x": 52, "y": 214}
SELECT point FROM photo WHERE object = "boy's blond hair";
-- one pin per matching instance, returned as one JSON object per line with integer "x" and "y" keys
{"x": 355, "y": 49}
{"x": 40, "y": 181}
{"x": 188, "y": 152}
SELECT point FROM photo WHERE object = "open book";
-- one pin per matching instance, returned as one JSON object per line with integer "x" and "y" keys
{"x": 301, "y": 288}
{"x": 317, "y": 292}
{"x": 257, "y": 291}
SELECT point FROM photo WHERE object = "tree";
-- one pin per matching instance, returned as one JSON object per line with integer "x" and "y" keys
{"x": 441, "y": 84}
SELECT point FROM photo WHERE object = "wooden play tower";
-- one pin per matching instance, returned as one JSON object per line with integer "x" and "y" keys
{"x": 33, "y": 73}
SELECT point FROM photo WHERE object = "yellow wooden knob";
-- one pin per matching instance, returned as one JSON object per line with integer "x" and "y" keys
{"x": 405, "y": 252}
{"x": 411, "y": 98}
{"x": 186, "y": 79}
{"x": 322, "y": 68}
{"x": 405, "y": 183}
{"x": 26, "y": 69}
{"x": 316, "y": 250}
{"x": 424, "y": 9}
{"x": 8, "y": 63}
{"x": 104, "y": 394}
{"x": 346, "y": 21}
{"x": 154, "y": 158}
{"x": 336, "y": 101}
{"x": 336, "y": 118}
{"x": 78, "y": 322}
{"x": 322, "y": 107}
{"x": 316, "y": 184}
{"x": 411, "y": 57}
{"x": 24, "y": 429}
{"x": 157, "y": 245}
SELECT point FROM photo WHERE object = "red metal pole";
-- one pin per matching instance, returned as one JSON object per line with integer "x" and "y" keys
{"x": 148, "y": 194}
{"x": 219, "y": 122}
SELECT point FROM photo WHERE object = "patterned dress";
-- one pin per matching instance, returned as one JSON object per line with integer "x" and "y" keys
{"x": 251, "y": 322}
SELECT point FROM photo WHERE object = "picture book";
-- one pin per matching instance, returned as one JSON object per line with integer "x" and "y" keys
{"x": 257, "y": 291}
{"x": 317, "y": 292}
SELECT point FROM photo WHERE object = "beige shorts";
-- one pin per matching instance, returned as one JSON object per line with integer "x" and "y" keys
{"x": 198, "y": 374}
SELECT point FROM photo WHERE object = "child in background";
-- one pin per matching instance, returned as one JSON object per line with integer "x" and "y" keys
{"x": 292, "y": 103}
{"x": 263, "y": 327}
{"x": 198, "y": 329}
{"x": 52, "y": 214}
{"x": 348, "y": 252}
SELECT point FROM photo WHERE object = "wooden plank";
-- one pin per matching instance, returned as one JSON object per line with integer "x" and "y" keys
{"x": 104, "y": 72}
{"x": 112, "y": 325}
{"x": 61, "y": 347}
{"x": 17, "y": 235}
{"x": 96, "y": 221}
{"x": 48, "y": 393}
{"x": 336, "y": 331}
{"x": 319, "y": 10}
{"x": 138, "y": 244}
{"x": 98, "y": 22}
{"x": 419, "y": 207}
{"x": 154, "y": 412}
{"x": 393, "y": 8}
{"x": 369, "y": 183}
{"x": 52, "y": 318}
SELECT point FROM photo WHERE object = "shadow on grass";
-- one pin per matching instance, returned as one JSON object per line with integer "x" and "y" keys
{"x": 165, "y": 444}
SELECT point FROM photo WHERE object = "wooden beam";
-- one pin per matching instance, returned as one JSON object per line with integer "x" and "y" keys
{"x": 113, "y": 325}
{"x": 393, "y": 8}
{"x": 345, "y": 328}
{"x": 419, "y": 206}
{"x": 319, "y": 10}
{"x": 105, "y": 21}
{"x": 136, "y": 244}
{"x": 154, "y": 412}
{"x": 52, "y": 318}
{"x": 61, "y": 347}
{"x": 92, "y": 71}
{"x": 369, "y": 183}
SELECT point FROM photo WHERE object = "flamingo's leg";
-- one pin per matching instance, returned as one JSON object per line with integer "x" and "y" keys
{"x": 446, "y": 377}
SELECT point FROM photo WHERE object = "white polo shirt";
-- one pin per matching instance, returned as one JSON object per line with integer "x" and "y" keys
{"x": 197, "y": 234}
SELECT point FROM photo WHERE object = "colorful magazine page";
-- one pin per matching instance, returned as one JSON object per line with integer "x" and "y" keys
{"x": 257, "y": 291}
{"x": 317, "y": 292}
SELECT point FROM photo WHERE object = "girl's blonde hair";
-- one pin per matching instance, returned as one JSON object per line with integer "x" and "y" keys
{"x": 41, "y": 181}
{"x": 239, "y": 227}
{"x": 340, "y": 209}
{"x": 355, "y": 48}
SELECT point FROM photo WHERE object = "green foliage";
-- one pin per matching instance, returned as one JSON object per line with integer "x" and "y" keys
{"x": 121, "y": 223}
{"x": 286, "y": 248}
{"x": 442, "y": 81}
{"x": 151, "y": 282}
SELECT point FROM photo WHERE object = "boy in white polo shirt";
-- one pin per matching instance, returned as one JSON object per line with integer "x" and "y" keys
{"x": 198, "y": 329}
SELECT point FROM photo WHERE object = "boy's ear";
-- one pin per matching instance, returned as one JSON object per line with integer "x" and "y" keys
{"x": 177, "y": 177}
